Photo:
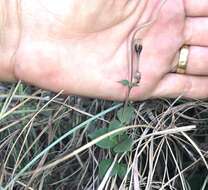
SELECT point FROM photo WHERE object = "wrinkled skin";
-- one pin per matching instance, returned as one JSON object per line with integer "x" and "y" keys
{"x": 82, "y": 47}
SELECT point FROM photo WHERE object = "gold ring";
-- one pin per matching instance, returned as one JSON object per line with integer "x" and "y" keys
{"x": 183, "y": 59}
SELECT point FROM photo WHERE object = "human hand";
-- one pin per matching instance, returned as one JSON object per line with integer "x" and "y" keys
{"x": 84, "y": 51}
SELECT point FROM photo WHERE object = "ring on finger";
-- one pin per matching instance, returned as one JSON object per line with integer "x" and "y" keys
{"x": 183, "y": 60}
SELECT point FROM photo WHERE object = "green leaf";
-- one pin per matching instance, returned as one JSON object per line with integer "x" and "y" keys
{"x": 121, "y": 170}
{"x": 125, "y": 83}
{"x": 107, "y": 143}
{"x": 125, "y": 114}
{"x": 124, "y": 145}
{"x": 98, "y": 132}
{"x": 104, "y": 166}
{"x": 115, "y": 124}
{"x": 118, "y": 169}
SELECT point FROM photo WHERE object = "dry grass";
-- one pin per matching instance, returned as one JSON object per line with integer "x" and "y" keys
{"x": 44, "y": 143}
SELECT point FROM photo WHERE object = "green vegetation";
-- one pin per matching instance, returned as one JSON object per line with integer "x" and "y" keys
{"x": 53, "y": 141}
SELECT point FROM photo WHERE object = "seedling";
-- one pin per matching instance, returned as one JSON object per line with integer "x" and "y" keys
{"x": 120, "y": 142}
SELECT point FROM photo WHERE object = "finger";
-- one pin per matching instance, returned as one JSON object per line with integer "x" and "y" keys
{"x": 174, "y": 85}
{"x": 196, "y": 30}
{"x": 196, "y": 8}
{"x": 197, "y": 61}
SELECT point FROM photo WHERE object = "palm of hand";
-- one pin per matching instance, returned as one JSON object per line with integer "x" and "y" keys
{"x": 89, "y": 59}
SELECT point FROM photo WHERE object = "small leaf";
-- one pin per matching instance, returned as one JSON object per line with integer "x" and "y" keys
{"x": 104, "y": 166}
{"x": 121, "y": 170}
{"x": 115, "y": 124}
{"x": 125, "y": 83}
{"x": 124, "y": 145}
{"x": 98, "y": 132}
{"x": 107, "y": 143}
{"x": 125, "y": 114}
{"x": 118, "y": 169}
